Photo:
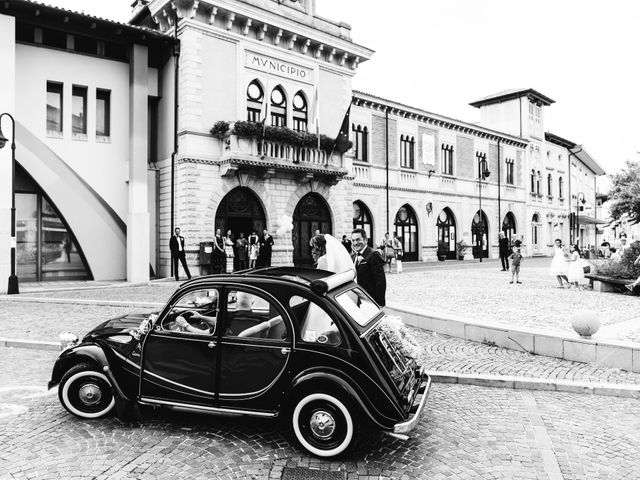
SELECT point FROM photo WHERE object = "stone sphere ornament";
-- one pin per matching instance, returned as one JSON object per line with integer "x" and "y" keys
{"x": 585, "y": 323}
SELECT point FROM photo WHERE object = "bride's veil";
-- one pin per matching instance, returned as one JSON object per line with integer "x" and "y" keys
{"x": 338, "y": 259}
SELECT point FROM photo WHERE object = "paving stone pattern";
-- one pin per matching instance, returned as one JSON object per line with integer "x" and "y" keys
{"x": 467, "y": 433}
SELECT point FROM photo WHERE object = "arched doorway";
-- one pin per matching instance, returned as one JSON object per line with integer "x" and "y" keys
{"x": 480, "y": 235}
{"x": 535, "y": 233}
{"x": 447, "y": 234}
{"x": 241, "y": 212}
{"x": 311, "y": 214}
{"x": 362, "y": 219}
{"x": 509, "y": 226}
{"x": 407, "y": 229}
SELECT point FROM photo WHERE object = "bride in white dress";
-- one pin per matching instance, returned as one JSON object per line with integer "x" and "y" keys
{"x": 329, "y": 254}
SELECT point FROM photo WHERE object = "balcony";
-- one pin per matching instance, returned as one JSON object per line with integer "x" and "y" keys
{"x": 267, "y": 157}
{"x": 448, "y": 184}
{"x": 362, "y": 173}
{"x": 407, "y": 179}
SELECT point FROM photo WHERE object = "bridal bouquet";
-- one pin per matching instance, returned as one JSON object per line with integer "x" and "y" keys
{"x": 400, "y": 336}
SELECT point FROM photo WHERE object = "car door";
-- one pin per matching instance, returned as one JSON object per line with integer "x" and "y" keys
{"x": 255, "y": 347}
{"x": 179, "y": 361}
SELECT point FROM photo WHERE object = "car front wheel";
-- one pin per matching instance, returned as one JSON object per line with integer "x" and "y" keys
{"x": 86, "y": 392}
{"x": 323, "y": 424}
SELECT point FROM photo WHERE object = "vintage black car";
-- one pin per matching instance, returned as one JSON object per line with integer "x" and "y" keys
{"x": 302, "y": 344}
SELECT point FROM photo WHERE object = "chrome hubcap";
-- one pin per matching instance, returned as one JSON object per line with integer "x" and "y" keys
{"x": 322, "y": 424}
{"x": 90, "y": 394}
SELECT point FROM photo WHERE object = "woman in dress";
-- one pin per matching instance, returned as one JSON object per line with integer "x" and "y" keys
{"x": 575, "y": 275}
{"x": 388, "y": 253}
{"x": 228, "y": 251}
{"x": 218, "y": 253}
{"x": 559, "y": 265}
{"x": 254, "y": 249}
{"x": 330, "y": 255}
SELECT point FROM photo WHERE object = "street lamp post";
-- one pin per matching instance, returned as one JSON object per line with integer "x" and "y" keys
{"x": 483, "y": 173}
{"x": 12, "y": 288}
{"x": 578, "y": 201}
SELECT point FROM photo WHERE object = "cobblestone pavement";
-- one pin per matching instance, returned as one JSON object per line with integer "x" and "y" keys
{"x": 466, "y": 433}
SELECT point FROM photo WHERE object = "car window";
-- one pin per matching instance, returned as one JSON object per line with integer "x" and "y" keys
{"x": 252, "y": 316}
{"x": 358, "y": 305}
{"x": 195, "y": 313}
{"x": 316, "y": 325}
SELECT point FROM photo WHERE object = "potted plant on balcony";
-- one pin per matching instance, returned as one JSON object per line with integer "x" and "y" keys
{"x": 461, "y": 249}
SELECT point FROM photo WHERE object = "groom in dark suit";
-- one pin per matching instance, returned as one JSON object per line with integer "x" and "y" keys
{"x": 176, "y": 245}
{"x": 369, "y": 267}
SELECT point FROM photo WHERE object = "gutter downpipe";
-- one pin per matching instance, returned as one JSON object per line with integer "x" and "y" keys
{"x": 499, "y": 177}
{"x": 174, "y": 154}
{"x": 386, "y": 146}
{"x": 576, "y": 231}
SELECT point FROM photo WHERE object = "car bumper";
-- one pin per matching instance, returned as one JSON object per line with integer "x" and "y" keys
{"x": 417, "y": 409}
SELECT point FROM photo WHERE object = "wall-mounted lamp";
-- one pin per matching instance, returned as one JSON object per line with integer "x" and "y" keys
{"x": 430, "y": 172}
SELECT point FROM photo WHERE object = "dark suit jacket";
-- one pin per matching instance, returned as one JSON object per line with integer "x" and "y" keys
{"x": 503, "y": 247}
{"x": 173, "y": 245}
{"x": 370, "y": 274}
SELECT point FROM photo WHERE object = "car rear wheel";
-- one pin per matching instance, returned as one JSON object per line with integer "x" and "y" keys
{"x": 86, "y": 392}
{"x": 323, "y": 424}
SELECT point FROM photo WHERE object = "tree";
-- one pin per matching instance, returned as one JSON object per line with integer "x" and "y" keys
{"x": 625, "y": 192}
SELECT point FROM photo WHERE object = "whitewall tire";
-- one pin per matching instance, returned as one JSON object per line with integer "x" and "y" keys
{"x": 86, "y": 392}
{"x": 323, "y": 424}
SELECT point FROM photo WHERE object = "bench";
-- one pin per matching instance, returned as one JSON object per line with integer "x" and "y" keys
{"x": 600, "y": 283}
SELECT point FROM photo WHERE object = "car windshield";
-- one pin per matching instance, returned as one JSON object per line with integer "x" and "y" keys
{"x": 358, "y": 305}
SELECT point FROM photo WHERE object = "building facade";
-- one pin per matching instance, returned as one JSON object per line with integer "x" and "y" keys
{"x": 204, "y": 115}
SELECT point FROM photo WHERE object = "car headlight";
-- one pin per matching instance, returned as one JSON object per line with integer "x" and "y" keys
{"x": 68, "y": 340}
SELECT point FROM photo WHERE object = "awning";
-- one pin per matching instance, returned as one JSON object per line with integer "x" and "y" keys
{"x": 586, "y": 220}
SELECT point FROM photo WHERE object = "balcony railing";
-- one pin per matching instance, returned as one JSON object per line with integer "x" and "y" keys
{"x": 407, "y": 179}
{"x": 239, "y": 150}
{"x": 362, "y": 173}
{"x": 448, "y": 184}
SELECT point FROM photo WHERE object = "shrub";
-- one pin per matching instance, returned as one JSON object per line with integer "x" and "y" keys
{"x": 278, "y": 134}
{"x": 219, "y": 129}
{"x": 623, "y": 268}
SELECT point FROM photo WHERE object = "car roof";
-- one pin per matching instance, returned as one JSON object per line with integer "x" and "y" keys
{"x": 300, "y": 275}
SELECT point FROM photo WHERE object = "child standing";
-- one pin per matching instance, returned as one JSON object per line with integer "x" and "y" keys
{"x": 516, "y": 258}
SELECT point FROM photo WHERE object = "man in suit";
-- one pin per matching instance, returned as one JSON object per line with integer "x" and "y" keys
{"x": 369, "y": 267}
{"x": 176, "y": 245}
{"x": 504, "y": 251}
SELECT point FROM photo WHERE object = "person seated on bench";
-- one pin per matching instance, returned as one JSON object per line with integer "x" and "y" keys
{"x": 633, "y": 285}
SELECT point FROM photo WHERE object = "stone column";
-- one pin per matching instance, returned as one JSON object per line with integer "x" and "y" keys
{"x": 7, "y": 105}
{"x": 138, "y": 212}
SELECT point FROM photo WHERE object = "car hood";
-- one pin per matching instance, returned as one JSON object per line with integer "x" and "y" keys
{"x": 117, "y": 326}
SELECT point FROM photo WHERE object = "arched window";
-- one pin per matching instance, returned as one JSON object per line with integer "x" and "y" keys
{"x": 300, "y": 112}
{"x": 406, "y": 224}
{"x": 407, "y": 144}
{"x": 560, "y": 188}
{"x": 447, "y": 159}
{"x": 360, "y": 135}
{"x": 538, "y": 177}
{"x": 549, "y": 185}
{"x": 255, "y": 97}
{"x": 362, "y": 219}
{"x": 278, "y": 107}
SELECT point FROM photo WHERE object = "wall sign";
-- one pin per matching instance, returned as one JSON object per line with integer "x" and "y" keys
{"x": 278, "y": 67}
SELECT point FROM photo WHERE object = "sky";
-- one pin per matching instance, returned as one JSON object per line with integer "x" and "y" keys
{"x": 440, "y": 55}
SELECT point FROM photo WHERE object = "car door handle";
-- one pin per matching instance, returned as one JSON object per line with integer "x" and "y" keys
{"x": 211, "y": 344}
{"x": 285, "y": 350}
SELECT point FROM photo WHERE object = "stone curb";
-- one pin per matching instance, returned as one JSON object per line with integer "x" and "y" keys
{"x": 558, "y": 344}
{"x": 526, "y": 383}
{"x": 480, "y": 380}
{"x": 83, "y": 301}
{"x": 121, "y": 284}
